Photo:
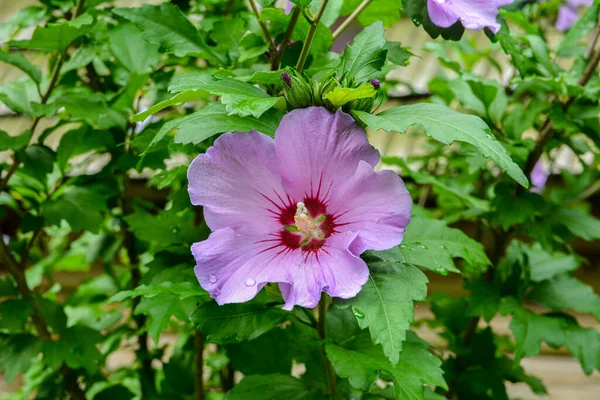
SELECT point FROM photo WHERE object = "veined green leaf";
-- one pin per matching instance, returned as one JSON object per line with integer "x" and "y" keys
{"x": 385, "y": 303}
{"x": 446, "y": 125}
{"x": 239, "y": 97}
{"x": 430, "y": 243}
{"x": 214, "y": 119}
{"x": 340, "y": 96}
{"x": 18, "y": 60}
{"x": 179, "y": 98}
{"x": 57, "y": 36}
{"x": 168, "y": 27}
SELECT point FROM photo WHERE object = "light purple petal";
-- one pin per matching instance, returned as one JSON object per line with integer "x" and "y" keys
{"x": 233, "y": 267}
{"x": 539, "y": 177}
{"x": 335, "y": 270}
{"x": 567, "y": 16}
{"x": 316, "y": 148}
{"x": 376, "y": 205}
{"x": 473, "y": 14}
{"x": 577, "y": 3}
{"x": 234, "y": 183}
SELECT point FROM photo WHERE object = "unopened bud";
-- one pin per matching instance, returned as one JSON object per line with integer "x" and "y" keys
{"x": 287, "y": 79}
{"x": 297, "y": 90}
{"x": 376, "y": 84}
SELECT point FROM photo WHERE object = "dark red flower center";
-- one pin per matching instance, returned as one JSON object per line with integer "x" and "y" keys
{"x": 306, "y": 225}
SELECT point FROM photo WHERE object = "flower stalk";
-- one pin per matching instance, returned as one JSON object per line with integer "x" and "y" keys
{"x": 348, "y": 21}
{"x": 322, "y": 329}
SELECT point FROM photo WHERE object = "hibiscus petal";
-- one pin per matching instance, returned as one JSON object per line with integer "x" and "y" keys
{"x": 473, "y": 14}
{"x": 315, "y": 147}
{"x": 376, "y": 205}
{"x": 233, "y": 267}
{"x": 234, "y": 183}
{"x": 567, "y": 16}
{"x": 333, "y": 269}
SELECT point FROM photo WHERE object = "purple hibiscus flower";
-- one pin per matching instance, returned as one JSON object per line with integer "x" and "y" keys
{"x": 298, "y": 209}
{"x": 473, "y": 14}
{"x": 568, "y": 13}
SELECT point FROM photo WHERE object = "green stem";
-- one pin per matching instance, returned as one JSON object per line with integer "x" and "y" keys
{"x": 263, "y": 27}
{"x": 344, "y": 25}
{"x": 314, "y": 23}
{"x": 286, "y": 39}
{"x": 322, "y": 329}
{"x": 199, "y": 363}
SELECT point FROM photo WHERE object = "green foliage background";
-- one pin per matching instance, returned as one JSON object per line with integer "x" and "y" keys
{"x": 144, "y": 86}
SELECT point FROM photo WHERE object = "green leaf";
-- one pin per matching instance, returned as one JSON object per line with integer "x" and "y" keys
{"x": 167, "y": 26}
{"x": 77, "y": 348}
{"x": 179, "y": 98}
{"x": 385, "y": 303}
{"x": 446, "y": 125}
{"x": 79, "y": 141}
{"x": 565, "y": 292}
{"x": 239, "y": 97}
{"x": 301, "y": 3}
{"x": 8, "y": 142}
{"x": 365, "y": 57}
{"x": 18, "y": 60}
{"x": 8, "y": 286}
{"x": 398, "y": 54}
{"x": 579, "y": 222}
{"x": 361, "y": 362}
{"x": 165, "y": 229}
{"x": 20, "y": 96}
{"x": 271, "y": 387}
{"x": 115, "y": 392}
{"x": 160, "y": 309}
{"x": 340, "y": 96}
{"x": 430, "y": 243}
{"x": 57, "y": 36}
{"x": 53, "y": 314}
{"x": 132, "y": 51}
{"x": 214, "y": 119}
{"x": 544, "y": 265}
{"x": 14, "y": 314}
{"x": 269, "y": 353}
{"x": 23, "y": 18}
{"x": 530, "y": 330}
{"x": 16, "y": 354}
{"x": 385, "y": 11}
{"x": 38, "y": 161}
{"x": 82, "y": 208}
{"x": 233, "y": 323}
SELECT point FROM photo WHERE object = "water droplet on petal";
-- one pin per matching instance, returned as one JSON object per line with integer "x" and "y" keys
{"x": 250, "y": 281}
{"x": 378, "y": 220}
{"x": 358, "y": 314}
{"x": 212, "y": 278}
{"x": 237, "y": 235}
{"x": 215, "y": 293}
